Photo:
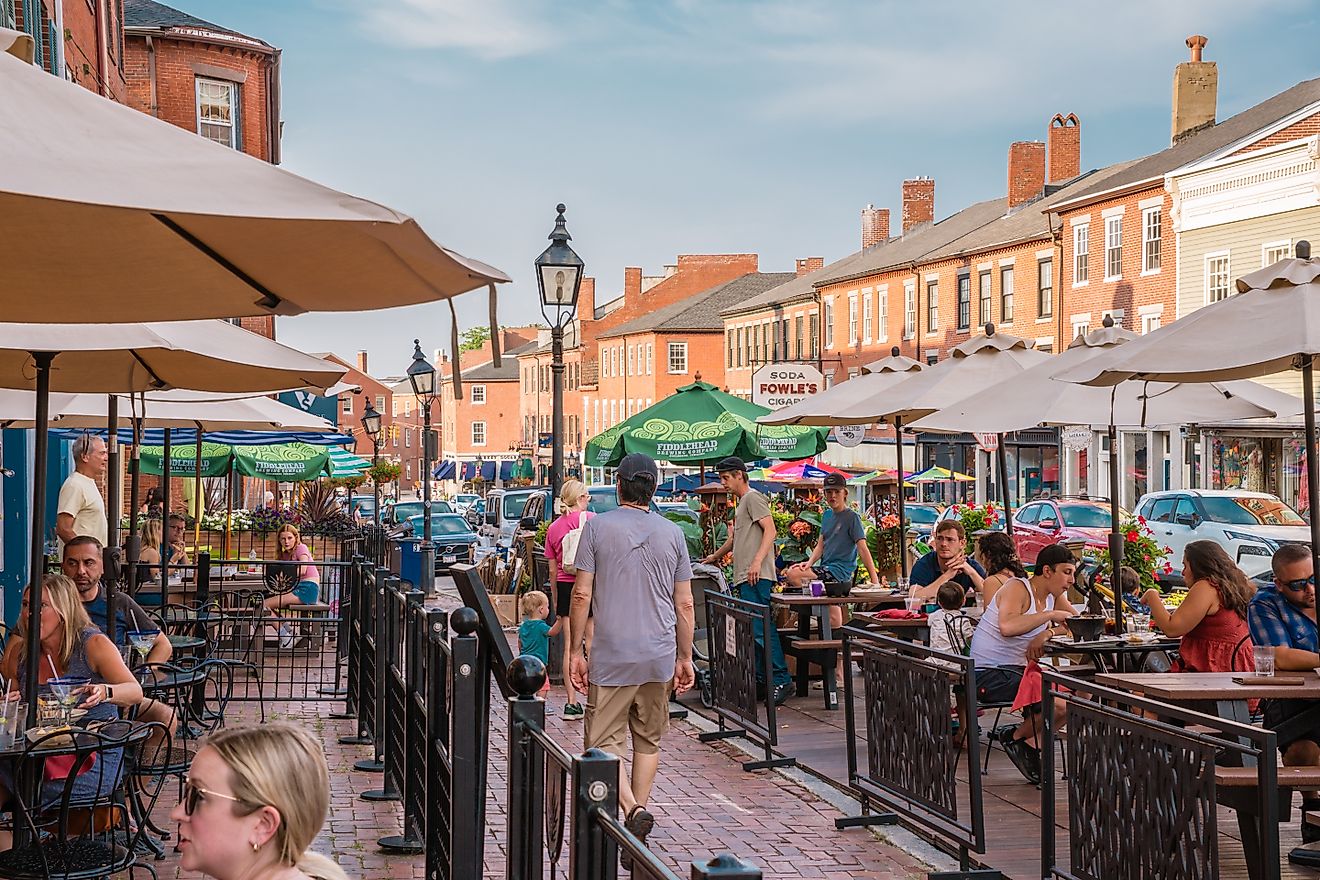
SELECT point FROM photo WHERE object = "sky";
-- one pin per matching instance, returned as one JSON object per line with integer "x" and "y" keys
{"x": 712, "y": 126}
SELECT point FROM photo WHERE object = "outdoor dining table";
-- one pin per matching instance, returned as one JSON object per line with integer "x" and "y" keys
{"x": 910, "y": 629}
{"x": 1113, "y": 653}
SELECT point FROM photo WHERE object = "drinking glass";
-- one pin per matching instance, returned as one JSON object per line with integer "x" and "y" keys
{"x": 142, "y": 640}
{"x": 1264, "y": 657}
{"x": 67, "y": 691}
{"x": 903, "y": 584}
{"x": 48, "y": 710}
{"x": 914, "y": 603}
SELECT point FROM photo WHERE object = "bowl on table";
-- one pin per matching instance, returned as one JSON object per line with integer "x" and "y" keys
{"x": 1085, "y": 628}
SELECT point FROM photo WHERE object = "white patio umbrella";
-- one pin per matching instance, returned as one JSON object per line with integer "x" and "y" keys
{"x": 1272, "y": 324}
{"x": 109, "y": 214}
{"x": 167, "y": 409}
{"x": 821, "y": 408}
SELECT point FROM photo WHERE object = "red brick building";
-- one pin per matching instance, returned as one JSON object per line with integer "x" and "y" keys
{"x": 80, "y": 40}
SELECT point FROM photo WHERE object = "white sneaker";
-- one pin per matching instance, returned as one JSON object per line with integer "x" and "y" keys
{"x": 286, "y": 636}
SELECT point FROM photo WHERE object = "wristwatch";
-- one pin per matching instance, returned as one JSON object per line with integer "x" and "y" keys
{"x": 109, "y": 693}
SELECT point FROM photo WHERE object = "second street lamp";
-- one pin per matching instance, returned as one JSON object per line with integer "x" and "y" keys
{"x": 371, "y": 427}
{"x": 559, "y": 276}
{"x": 421, "y": 375}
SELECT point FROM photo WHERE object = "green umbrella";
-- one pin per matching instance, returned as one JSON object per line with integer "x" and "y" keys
{"x": 216, "y": 459}
{"x": 697, "y": 423}
{"x": 285, "y": 462}
{"x": 345, "y": 464}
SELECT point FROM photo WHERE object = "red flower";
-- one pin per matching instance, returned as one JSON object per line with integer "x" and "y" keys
{"x": 1141, "y": 519}
{"x": 1155, "y": 575}
{"x": 1132, "y": 536}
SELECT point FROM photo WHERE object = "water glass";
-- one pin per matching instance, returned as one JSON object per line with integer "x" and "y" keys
{"x": 914, "y": 603}
{"x": 1264, "y": 657}
{"x": 903, "y": 584}
{"x": 48, "y": 710}
{"x": 1141, "y": 623}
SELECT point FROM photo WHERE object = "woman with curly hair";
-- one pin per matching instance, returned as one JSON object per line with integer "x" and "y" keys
{"x": 1000, "y": 560}
{"x": 1212, "y": 619}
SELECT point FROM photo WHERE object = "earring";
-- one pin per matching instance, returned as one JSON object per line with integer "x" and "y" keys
{"x": 256, "y": 847}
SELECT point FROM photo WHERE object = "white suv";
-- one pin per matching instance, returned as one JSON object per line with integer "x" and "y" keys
{"x": 1250, "y": 526}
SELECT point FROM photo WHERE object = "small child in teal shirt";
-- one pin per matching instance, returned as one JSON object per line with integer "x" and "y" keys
{"x": 534, "y": 632}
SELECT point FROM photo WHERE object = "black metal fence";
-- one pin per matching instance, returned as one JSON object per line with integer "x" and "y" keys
{"x": 1142, "y": 789}
{"x": 912, "y": 753}
{"x": 732, "y": 655}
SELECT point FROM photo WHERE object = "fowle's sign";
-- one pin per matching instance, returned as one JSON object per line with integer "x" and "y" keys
{"x": 779, "y": 385}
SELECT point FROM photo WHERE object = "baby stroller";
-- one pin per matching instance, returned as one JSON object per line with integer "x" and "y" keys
{"x": 701, "y": 660}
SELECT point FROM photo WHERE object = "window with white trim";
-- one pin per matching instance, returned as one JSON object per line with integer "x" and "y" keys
{"x": 729, "y": 336}
{"x": 828, "y": 320}
{"x": 678, "y": 357}
{"x": 1149, "y": 323}
{"x": 866, "y": 316}
{"x": 407, "y": 438}
{"x": 852, "y": 318}
{"x": 345, "y": 405}
{"x": 1045, "y": 288}
{"x": 217, "y": 111}
{"x": 1274, "y": 251}
{"x": 882, "y": 327}
{"x": 1113, "y": 248}
{"x": 1080, "y": 328}
{"x": 1217, "y": 277}
{"x": 909, "y": 310}
{"x": 1150, "y": 240}
{"x": 932, "y": 306}
{"x": 614, "y": 413}
{"x": 813, "y": 333}
{"x": 1006, "y": 295}
{"x": 380, "y": 403}
{"x": 964, "y": 302}
{"x": 650, "y": 347}
{"x": 478, "y": 395}
{"x": 630, "y": 361}
{"x": 1081, "y": 246}
{"x": 798, "y": 340}
{"x": 478, "y": 433}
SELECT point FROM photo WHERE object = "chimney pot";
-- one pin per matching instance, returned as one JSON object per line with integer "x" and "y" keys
{"x": 1196, "y": 43}
{"x": 918, "y": 202}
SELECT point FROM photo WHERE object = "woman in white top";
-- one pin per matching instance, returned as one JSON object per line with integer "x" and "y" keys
{"x": 1020, "y": 618}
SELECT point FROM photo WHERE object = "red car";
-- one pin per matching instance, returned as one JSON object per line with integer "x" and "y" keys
{"x": 1050, "y": 521}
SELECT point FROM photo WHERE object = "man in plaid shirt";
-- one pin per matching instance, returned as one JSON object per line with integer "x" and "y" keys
{"x": 1283, "y": 615}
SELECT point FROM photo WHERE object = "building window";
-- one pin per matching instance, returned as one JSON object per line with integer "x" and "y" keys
{"x": 1081, "y": 245}
{"x": 1113, "y": 248}
{"x": 932, "y": 358}
{"x": 649, "y": 349}
{"x": 866, "y": 317}
{"x": 797, "y": 336}
{"x": 1274, "y": 251}
{"x": 1081, "y": 328}
{"x": 813, "y": 333}
{"x": 478, "y": 433}
{"x": 964, "y": 302}
{"x": 1150, "y": 240}
{"x": 217, "y": 111}
{"x": 852, "y": 319}
{"x": 985, "y": 310}
{"x": 1216, "y": 277}
{"x": 630, "y": 361}
{"x": 1045, "y": 288}
{"x": 932, "y": 306}
{"x": 346, "y": 404}
{"x": 829, "y": 323}
{"x": 407, "y": 438}
{"x": 614, "y": 413}
{"x": 909, "y": 310}
{"x": 1149, "y": 323}
{"x": 882, "y": 322}
{"x": 407, "y": 465}
{"x": 478, "y": 394}
{"x": 783, "y": 331}
{"x": 678, "y": 357}
{"x": 1006, "y": 295}
{"x": 407, "y": 406}
{"x": 730, "y": 338}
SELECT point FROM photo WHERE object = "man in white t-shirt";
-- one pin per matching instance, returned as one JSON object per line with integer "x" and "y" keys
{"x": 81, "y": 510}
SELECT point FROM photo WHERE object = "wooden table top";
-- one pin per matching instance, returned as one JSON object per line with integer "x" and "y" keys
{"x": 892, "y": 622}
{"x": 1190, "y": 686}
{"x": 798, "y": 599}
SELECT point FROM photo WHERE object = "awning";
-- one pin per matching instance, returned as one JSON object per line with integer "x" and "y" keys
{"x": 444, "y": 470}
{"x": 506, "y": 470}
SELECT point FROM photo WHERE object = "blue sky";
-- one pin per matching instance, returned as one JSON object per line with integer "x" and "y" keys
{"x": 712, "y": 126}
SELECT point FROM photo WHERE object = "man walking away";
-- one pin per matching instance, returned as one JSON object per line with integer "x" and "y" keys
{"x": 753, "y": 542}
{"x": 81, "y": 510}
{"x": 633, "y": 573}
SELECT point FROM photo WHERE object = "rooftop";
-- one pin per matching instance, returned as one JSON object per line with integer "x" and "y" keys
{"x": 146, "y": 14}
{"x": 702, "y": 311}
{"x": 507, "y": 371}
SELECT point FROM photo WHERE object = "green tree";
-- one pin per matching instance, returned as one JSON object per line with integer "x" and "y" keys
{"x": 473, "y": 338}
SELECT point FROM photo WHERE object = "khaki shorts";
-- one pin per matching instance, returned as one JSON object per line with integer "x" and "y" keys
{"x": 642, "y": 709}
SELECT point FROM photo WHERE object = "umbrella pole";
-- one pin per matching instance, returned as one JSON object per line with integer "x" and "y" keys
{"x": 134, "y": 490}
{"x": 1115, "y": 534}
{"x": 198, "y": 507}
{"x": 42, "y": 361}
{"x": 112, "y": 500}
{"x": 1312, "y": 481}
{"x": 165, "y": 462}
{"x": 1001, "y": 457}
{"x": 902, "y": 517}
{"x": 229, "y": 512}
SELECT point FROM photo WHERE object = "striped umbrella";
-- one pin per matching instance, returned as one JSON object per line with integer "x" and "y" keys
{"x": 345, "y": 464}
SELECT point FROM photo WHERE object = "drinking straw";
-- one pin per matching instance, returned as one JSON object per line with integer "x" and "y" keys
{"x": 53, "y": 672}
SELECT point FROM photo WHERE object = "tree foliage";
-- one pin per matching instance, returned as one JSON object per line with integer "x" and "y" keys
{"x": 473, "y": 338}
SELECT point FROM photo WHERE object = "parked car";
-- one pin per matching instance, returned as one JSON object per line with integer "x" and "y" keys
{"x": 1038, "y": 524}
{"x": 504, "y": 511}
{"x": 921, "y": 518}
{"x": 463, "y": 500}
{"x": 400, "y": 512}
{"x": 1250, "y": 526}
{"x": 455, "y": 541}
{"x": 475, "y": 514}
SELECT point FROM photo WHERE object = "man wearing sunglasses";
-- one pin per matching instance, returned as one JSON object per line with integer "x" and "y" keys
{"x": 1283, "y": 615}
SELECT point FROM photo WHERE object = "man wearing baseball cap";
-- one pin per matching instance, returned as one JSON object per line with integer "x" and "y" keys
{"x": 633, "y": 573}
{"x": 752, "y": 540}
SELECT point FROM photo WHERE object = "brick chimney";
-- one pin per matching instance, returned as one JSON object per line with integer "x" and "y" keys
{"x": 1195, "y": 90}
{"x": 1065, "y": 142}
{"x": 875, "y": 225}
{"x": 362, "y": 361}
{"x": 587, "y": 299}
{"x": 918, "y": 202}
{"x": 809, "y": 264}
{"x": 1026, "y": 171}
{"x": 632, "y": 284}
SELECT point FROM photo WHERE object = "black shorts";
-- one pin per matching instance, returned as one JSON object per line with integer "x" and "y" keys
{"x": 998, "y": 684}
{"x": 563, "y": 598}
{"x": 1276, "y": 712}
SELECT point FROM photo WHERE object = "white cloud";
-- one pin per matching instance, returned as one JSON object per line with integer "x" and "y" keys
{"x": 489, "y": 29}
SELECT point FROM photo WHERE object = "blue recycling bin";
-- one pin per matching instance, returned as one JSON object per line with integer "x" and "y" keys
{"x": 410, "y": 560}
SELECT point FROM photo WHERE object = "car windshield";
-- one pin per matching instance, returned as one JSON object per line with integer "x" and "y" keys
{"x": 603, "y": 501}
{"x": 449, "y": 524}
{"x": 1085, "y": 516}
{"x": 514, "y": 504}
{"x": 1250, "y": 511}
{"x": 441, "y": 507}
{"x": 921, "y": 514}
{"x": 407, "y": 510}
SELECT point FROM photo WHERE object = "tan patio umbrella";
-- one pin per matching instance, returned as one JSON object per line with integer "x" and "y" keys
{"x": 1271, "y": 324}
{"x": 108, "y": 214}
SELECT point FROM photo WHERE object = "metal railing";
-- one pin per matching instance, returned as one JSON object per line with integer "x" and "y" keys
{"x": 1141, "y": 787}
{"x": 912, "y": 754}
{"x": 732, "y": 655}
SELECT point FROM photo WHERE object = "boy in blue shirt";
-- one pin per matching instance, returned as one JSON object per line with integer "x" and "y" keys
{"x": 534, "y": 632}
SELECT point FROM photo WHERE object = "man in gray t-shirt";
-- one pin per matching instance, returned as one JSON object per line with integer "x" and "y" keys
{"x": 634, "y": 576}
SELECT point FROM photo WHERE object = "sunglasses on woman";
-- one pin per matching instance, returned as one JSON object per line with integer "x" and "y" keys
{"x": 195, "y": 794}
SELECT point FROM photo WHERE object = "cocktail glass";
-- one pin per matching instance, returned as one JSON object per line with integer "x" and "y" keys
{"x": 67, "y": 691}
{"x": 142, "y": 640}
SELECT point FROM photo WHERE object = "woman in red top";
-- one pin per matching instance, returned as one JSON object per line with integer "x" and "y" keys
{"x": 573, "y": 501}
{"x": 1212, "y": 619}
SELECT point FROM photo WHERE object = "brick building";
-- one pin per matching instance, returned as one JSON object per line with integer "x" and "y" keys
{"x": 80, "y": 40}
{"x": 486, "y": 423}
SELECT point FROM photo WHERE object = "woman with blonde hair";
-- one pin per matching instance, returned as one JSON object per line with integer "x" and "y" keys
{"x": 572, "y": 504}
{"x": 255, "y": 798}
{"x": 301, "y": 573}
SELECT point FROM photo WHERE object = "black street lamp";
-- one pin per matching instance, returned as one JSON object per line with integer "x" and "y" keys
{"x": 371, "y": 427}
{"x": 421, "y": 375}
{"x": 559, "y": 276}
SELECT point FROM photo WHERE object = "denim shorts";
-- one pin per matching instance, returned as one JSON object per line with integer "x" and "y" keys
{"x": 308, "y": 592}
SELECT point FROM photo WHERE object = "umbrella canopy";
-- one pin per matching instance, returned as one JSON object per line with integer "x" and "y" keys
{"x": 1035, "y": 397}
{"x": 285, "y": 462}
{"x": 937, "y": 474}
{"x": 696, "y": 423}
{"x": 802, "y": 470}
{"x": 167, "y": 409}
{"x": 109, "y": 214}
{"x": 122, "y": 358}
{"x": 822, "y": 408}
{"x": 345, "y": 464}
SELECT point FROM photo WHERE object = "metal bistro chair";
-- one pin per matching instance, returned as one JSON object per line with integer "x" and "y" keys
{"x": 960, "y": 629}
{"x": 197, "y": 693}
{"x": 78, "y": 827}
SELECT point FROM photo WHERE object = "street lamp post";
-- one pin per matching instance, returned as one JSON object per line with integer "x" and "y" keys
{"x": 371, "y": 427}
{"x": 558, "y": 275}
{"x": 421, "y": 375}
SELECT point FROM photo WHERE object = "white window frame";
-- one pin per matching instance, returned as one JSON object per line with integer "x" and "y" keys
{"x": 909, "y": 309}
{"x": 957, "y": 301}
{"x": 1081, "y": 255}
{"x": 868, "y": 315}
{"x": 478, "y": 397}
{"x": 649, "y": 347}
{"x": 1043, "y": 268}
{"x": 1149, "y": 323}
{"x": 985, "y": 298}
{"x": 1152, "y": 232}
{"x": 1081, "y": 328}
{"x": 882, "y": 329}
{"x": 1218, "y": 265}
{"x": 630, "y": 360}
{"x": 479, "y": 436}
{"x": 678, "y": 358}
{"x": 852, "y": 318}
{"x": 829, "y": 323}
{"x": 1279, "y": 250}
{"x": 1007, "y": 305}
{"x": 1114, "y": 247}
{"x": 932, "y": 306}
{"x": 233, "y": 141}
{"x": 407, "y": 438}
{"x": 346, "y": 404}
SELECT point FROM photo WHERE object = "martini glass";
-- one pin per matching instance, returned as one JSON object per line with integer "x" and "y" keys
{"x": 142, "y": 640}
{"x": 67, "y": 691}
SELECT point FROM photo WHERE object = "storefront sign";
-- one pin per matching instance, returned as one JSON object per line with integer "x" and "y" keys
{"x": 781, "y": 385}
{"x": 1075, "y": 438}
{"x": 849, "y": 435}
{"x": 988, "y": 442}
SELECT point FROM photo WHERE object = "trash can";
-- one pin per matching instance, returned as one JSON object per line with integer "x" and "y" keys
{"x": 410, "y": 561}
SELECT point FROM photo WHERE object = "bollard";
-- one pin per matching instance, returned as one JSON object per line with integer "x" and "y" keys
{"x": 526, "y": 771}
